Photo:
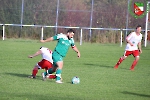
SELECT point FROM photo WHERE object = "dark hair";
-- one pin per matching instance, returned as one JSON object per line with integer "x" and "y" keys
{"x": 70, "y": 30}
{"x": 138, "y": 26}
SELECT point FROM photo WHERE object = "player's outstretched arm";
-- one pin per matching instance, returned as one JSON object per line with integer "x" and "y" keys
{"x": 36, "y": 54}
{"x": 77, "y": 51}
{"x": 47, "y": 40}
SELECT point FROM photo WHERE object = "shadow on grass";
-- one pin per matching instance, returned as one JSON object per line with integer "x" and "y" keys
{"x": 131, "y": 93}
{"x": 17, "y": 74}
{"x": 106, "y": 66}
{"x": 97, "y": 65}
{"x": 22, "y": 75}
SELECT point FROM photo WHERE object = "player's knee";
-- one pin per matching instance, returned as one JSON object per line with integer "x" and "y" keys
{"x": 35, "y": 68}
{"x": 124, "y": 57}
{"x": 137, "y": 58}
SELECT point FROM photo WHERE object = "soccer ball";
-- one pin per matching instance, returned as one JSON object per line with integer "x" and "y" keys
{"x": 75, "y": 80}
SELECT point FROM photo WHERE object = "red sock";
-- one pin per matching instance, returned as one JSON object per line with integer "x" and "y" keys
{"x": 133, "y": 64}
{"x": 52, "y": 76}
{"x": 119, "y": 61}
{"x": 34, "y": 72}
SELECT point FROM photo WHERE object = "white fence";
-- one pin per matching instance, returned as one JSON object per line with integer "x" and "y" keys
{"x": 81, "y": 28}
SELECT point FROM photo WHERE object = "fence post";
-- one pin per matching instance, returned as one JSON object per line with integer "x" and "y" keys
{"x": 121, "y": 39}
{"x": 42, "y": 33}
{"x": 3, "y": 32}
{"x": 81, "y": 37}
{"x": 146, "y": 26}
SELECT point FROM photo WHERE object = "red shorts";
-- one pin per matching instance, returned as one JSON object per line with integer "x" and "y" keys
{"x": 44, "y": 64}
{"x": 135, "y": 53}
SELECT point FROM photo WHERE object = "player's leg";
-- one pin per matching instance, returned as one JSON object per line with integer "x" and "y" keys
{"x": 48, "y": 74}
{"x": 119, "y": 61}
{"x": 34, "y": 71}
{"x": 137, "y": 57}
{"x": 45, "y": 64}
{"x": 51, "y": 76}
{"x": 59, "y": 71}
{"x": 58, "y": 61}
{"x": 51, "y": 70}
{"x": 126, "y": 54}
{"x": 55, "y": 57}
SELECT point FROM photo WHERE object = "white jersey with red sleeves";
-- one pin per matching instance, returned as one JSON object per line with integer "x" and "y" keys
{"x": 134, "y": 39}
{"x": 46, "y": 54}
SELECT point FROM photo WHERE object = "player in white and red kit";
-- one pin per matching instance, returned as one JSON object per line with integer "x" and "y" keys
{"x": 133, "y": 47}
{"x": 46, "y": 62}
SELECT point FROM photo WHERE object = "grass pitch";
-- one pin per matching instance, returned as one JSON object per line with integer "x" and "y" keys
{"x": 98, "y": 79}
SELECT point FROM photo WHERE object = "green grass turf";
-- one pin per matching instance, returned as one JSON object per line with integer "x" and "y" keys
{"x": 99, "y": 81}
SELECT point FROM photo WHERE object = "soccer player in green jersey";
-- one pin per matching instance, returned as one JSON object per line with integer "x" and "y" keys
{"x": 60, "y": 51}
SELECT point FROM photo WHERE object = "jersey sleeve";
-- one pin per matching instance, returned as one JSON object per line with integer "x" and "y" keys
{"x": 58, "y": 36}
{"x": 129, "y": 36}
{"x": 55, "y": 37}
{"x": 42, "y": 49}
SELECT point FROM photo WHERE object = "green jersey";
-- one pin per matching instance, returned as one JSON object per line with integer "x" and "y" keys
{"x": 63, "y": 44}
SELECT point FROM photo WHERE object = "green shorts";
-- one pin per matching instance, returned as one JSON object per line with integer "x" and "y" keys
{"x": 56, "y": 57}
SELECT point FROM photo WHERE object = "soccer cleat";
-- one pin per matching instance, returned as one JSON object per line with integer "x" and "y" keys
{"x": 33, "y": 77}
{"x": 43, "y": 77}
{"x": 132, "y": 69}
{"x": 59, "y": 81}
{"x": 116, "y": 66}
